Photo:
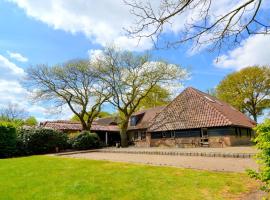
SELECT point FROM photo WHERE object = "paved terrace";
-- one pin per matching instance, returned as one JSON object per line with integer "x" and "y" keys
{"x": 196, "y": 158}
{"x": 228, "y": 152}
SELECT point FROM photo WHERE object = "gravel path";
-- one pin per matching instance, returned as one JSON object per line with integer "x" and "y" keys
{"x": 194, "y": 162}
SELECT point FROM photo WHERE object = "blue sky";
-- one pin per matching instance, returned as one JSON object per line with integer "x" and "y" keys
{"x": 52, "y": 32}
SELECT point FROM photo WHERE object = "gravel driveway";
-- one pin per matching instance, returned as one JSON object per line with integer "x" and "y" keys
{"x": 194, "y": 162}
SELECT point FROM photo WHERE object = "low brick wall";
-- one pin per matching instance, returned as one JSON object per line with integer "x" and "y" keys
{"x": 217, "y": 141}
{"x": 225, "y": 141}
{"x": 169, "y": 153}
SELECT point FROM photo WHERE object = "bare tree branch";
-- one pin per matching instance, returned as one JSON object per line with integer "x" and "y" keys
{"x": 200, "y": 22}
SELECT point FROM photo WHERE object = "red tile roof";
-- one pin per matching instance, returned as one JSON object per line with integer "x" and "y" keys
{"x": 195, "y": 109}
{"x": 66, "y": 125}
{"x": 146, "y": 117}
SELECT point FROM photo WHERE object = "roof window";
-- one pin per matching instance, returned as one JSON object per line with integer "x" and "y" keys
{"x": 209, "y": 99}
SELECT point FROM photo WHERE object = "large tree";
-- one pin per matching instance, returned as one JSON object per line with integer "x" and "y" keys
{"x": 73, "y": 84}
{"x": 101, "y": 114}
{"x": 247, "y": 90}
{"x": 203, "y": 22}
{"x": 129, "y": 78}
{"x": 31, "y": 121}
{"x": 158, "y": 96}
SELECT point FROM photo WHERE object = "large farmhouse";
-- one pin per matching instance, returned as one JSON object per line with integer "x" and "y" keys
{"x": 192, "y": 119}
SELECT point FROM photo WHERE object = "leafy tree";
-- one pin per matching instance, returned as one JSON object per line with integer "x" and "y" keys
{"x": 130, "y": 78}
{"x": 263, "y": 144}
{"x": 247, "y": 90}
{"x": 101, "y": 114}
{"x": 158, "y": 96}
{"x": 72, "y": 84}
{"x": 202, "y": 22}
{"x": 31, "y": 121}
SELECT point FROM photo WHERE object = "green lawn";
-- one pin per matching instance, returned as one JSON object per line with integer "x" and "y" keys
{"x": 44, "y": 177}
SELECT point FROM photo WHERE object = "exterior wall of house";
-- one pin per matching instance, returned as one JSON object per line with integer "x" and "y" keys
{"x": 217, "y": 137}
{"x": 139, "y": 138}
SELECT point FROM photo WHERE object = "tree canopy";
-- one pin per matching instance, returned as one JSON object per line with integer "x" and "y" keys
{"x": 101, "y": 114}
{"x": 247, "y": 90}
{"x": 31, "y": 121}
{"x": 72, "y": 84}
{"x": 158, "y": 96}
{"x": 129, "y": 78}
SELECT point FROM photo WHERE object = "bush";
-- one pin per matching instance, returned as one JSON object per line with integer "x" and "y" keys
{"x": 7, "y": 140}
{"x": 263, "y": 157}
{"x": 39, "y": 141}
{"x": 85, "y": 140}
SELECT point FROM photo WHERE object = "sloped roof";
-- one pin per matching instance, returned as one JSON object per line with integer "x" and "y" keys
{"x": 146, "y": 117}
{"x": 107, "y": 121}
{"x": 63, "y": 125}
{"x": 66, "y": 125}
{"x": 195, "y": 109}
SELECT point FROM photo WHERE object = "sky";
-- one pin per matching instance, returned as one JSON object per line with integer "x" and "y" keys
{"x": 55, "y": 31}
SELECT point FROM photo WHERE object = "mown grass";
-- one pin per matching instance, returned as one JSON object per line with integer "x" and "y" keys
{"x": 45, "y": 177}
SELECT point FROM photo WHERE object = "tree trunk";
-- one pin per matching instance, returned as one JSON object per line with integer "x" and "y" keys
{"x": 255, "y": 117}
{"x": 123, "y": 134}
{"x": 84, "y": 125}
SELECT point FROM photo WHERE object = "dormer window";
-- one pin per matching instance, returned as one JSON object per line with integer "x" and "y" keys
{"x": 133, "y": 120}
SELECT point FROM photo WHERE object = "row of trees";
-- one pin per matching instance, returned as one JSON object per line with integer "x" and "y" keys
{"x": 13, "y": 113}
{"x": 127, "y": 81}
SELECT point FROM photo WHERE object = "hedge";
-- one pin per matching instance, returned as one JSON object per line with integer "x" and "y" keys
{"x": 86, "y": 140}
{"x": 7, "y": 140}
{"x": 40, "y": 141}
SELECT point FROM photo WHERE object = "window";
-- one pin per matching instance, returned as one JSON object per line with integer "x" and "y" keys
{"x": 143, "y": 135}
{"x": 238, "y": 132}
{"x": 166, "y": 134}
{"x": 157, "y": 135}
{"x": 187, "y": 133}
{"x": 136, "y": 136}
{"x": 133, "y": 121}
{"x": 172, "y": 134}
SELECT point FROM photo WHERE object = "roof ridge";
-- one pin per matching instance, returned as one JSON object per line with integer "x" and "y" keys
{"x": 213, "y": 107}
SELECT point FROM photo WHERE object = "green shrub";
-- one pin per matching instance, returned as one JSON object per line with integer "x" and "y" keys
{"x": 7, "y": 140}
{"x": 39, "y": 141}
{"x": 85, "y": 140}
{"x": 263, "y": 157}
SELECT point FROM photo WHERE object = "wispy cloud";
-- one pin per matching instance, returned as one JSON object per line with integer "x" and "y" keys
{"x": 17, "y": 56}
{"x": 253, "y": 51}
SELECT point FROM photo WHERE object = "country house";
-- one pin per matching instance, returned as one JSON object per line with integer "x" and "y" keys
{"x": 192, "y": 119}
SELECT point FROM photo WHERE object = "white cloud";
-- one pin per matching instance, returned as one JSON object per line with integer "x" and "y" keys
{"x": 13, "y": 92}
{"x": 253, "y": 51}
{"x": 9, "y": 69}
{"x": 101, "y": 21}
{"x": 17, "y": 56}
{"x": 95, "y": 54}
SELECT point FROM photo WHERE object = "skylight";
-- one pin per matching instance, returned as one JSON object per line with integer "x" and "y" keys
{"x": 209, "y": 99}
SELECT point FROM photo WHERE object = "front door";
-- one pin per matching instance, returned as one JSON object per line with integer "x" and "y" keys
{"x": 204, "y": 133}
{"x": 204, "y": 137}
